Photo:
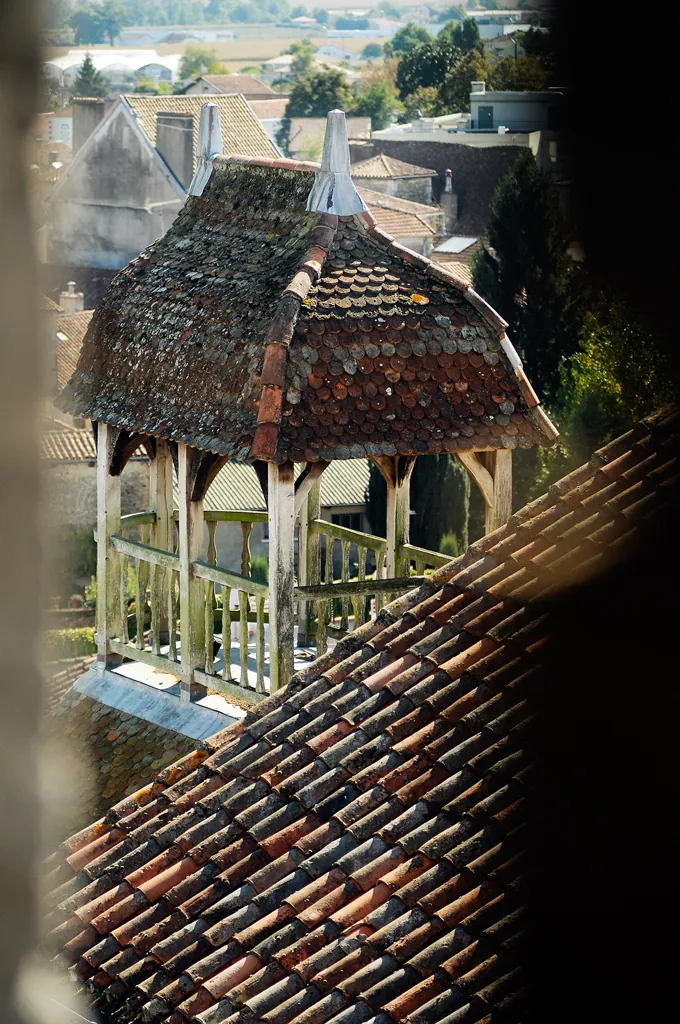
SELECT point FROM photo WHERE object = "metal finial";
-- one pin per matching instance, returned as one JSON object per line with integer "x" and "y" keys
{"x": 333, "y": 190}
{"x": 209, "y": 146}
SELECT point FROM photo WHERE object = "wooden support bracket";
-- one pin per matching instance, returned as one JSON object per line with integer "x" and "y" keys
{"x": 304, "y": 483}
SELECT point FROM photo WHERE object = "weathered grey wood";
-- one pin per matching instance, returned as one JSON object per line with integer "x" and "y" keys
{"x": 137, "y": 519}
{"x": 124, "y": 632}
{"x": 144, "y": 552}
{"x": 160, "y": 496}
{"x": 129, "y": 650}
{"x": 108, "y": 560}
{"x": 244, "y": 607}
{"x": 359, "y": 602}
{"x": 232, "y": 516}
{"x": 192, "y": 621}
{"x": 360, "y": 587}
{"x": 309, "y": 558}
{"x": 471, "y": 462}
{"x": 380, "y": 562}
{"x": 328, "y": 574}
{"x": 229, "y": 579}
{"x": 305, "y": 483}
{"x": 281, "y": 495}
{"x": 424, "y": 555}
{"x": 246, "y": 558}
{"x": 499, "y": 464}
{"x": 321, "y": 627}
{"x": 398, "y": 479}
{"x": 209, "y": 629}
{"x": 344, "y": 576}
{"x": 327, "y": 529}
{"x": 229, "y": 689}
{"x": 172, "y": 613}
{"x": 226, "y": 633}
{"x": 141, "y": 580}
{"x": 259, "y": 644}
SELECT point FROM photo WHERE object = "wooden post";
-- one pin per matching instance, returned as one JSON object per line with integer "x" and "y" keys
{"x": 397, "y": 473}
{"x": 108, "y": 559}
{"x": 191, "y": 594}
{"x": 494, "y": 479}
{"x": 499, "y": 464}
{"x": 281, "y": 496}
{"x": 160, "y": 494}
{"x": 309, "y": 559}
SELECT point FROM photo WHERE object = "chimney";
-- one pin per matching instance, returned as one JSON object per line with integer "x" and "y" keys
{"x": 72, "y": 301}
{"x": 88, "y": 113}
{"x": 175, "y": 143}
{"x": 449, "y": 206}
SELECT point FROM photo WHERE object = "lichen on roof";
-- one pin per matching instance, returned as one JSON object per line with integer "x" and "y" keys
{"x": 256, "y": 329}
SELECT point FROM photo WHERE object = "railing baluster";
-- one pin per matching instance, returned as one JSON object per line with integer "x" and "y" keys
{"x": 344, "y": 576}
{"x": 359, "y": 602}
{"x": 328, "y": 576}
{"x": 172, "y": 616}
{"x": 321, "y": 631}
{"x": 209, "y": 630}
{"x": 124, "y": 634}
{"x": 244, "y": 605}
{"x": 259, "y": 640}
{"x": 379, "y": 575}
{"x": 139, "y": 603}
{"x": 226, "y": 633}
{"x": 420, "y": 566}
{"x": 246, "y": 529}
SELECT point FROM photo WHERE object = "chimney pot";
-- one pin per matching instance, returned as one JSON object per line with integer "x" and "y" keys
{"x": 72, "y": 301}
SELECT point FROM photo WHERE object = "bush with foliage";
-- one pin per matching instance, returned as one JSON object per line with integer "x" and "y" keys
{"x": 371, "y": 51}
{"x": 196, "y": 60}
{"x": 69, "y": 643}
{"x": 259, "y": 569}
{"x": 89, "y": 82}
{"x": 313, "y": 95}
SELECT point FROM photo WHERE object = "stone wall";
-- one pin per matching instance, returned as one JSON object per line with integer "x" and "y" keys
{"x": 70, "y": 492}
{"x": 476, "y": 171}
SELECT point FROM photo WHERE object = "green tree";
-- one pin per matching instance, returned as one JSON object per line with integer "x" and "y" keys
{"x": 407, "y": 39}
{"x": 152, "y": 87}
{"x": 463, "y": 34}
{"x": 389, "y": 10}
{"x": 89, "y": 81}
{"x": 454, "y": 92}
{"x": 196, "y": 60}
{"x": 372, "y": 50}
{"x": 114, "y": 16}
{"x": 377, "y": 100}
{"x": 313, "y": 95}
{"x": 426, "y": 65}
{"x": 424, "y": 101}
{"x": 451, "y": 14}
{"x": 527, "y": 274}
{"x": 321, "y": 15}
{"x": 298, "y": 12}
{"x": 88, "y": 24}
{"x": 526, "y": 74}
{"x": 303, "y": 57}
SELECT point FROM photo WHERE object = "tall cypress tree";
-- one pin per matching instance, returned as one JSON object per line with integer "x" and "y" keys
{"x": 89, "y": 81}
{"x": 526, "y": 273}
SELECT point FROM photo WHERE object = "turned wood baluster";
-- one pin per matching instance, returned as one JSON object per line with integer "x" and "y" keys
{"x": 344, "y": 576}
{"x": 226, "y": 633}
{"x": 359, "y": 602}
{"x": 124, "y": 633}
{"x": 244, "y": 608}
{"x": 259, "y": 640}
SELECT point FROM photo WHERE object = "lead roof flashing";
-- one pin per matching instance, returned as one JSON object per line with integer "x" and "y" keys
{"x": 333, "y": 190}
{"x": 209, "y": 146}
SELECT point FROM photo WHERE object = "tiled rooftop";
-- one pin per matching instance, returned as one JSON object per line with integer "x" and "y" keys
{"x": 241, "y": 131}
{"x": 236, "y": 486}
{"x": 383, "y": 166}
{"x": 256, "y": 329}
{"x": 354, "y": 849}
{"x": 71, "y": 329}
{"x": 247, "y": 85}
{"x": 48, "y": 305}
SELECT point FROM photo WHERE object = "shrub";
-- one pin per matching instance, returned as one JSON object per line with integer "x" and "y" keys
{"x": 449, "y": 545}
{"x": 69, "y": 643}
{"x": 259, "y": 569}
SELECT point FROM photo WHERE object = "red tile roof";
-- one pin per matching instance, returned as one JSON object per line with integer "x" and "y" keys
{"x": 71, "y": 328}
{"x": 383, "y": 166}
{"x": 356, "y": 846}
{"x": 256, "y": 329}
{"x": 247, "y": 85}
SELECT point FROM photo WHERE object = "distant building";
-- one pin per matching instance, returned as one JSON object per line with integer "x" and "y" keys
{"x": 133, "y": 161}
{"x": 60, "y": 126}
{"x": 116, "y": 66}
{"x": 307, "y": 134}
{"x": 229, "y": 85}
{"x": 395, "y": 178}
{"x": 411, "y": 224}
{"x": 514, "y": 111}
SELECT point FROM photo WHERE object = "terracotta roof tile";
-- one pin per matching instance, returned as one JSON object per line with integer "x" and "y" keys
{"x": 401, "y": 898}
{"x": 383, "y": 166}
{"x": 241, "y": 131}
{"x": 71, "y": 330}
{"x": 385, "y": 352}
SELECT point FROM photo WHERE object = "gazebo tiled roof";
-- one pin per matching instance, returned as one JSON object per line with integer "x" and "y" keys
{"x": 257, "y": 328}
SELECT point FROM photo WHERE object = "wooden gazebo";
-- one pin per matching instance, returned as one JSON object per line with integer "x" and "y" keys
{"x": 275, "y": 323}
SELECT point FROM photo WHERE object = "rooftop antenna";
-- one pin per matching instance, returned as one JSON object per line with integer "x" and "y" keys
{"x": 209, "y": 146}
{"x": 333, "y": 190}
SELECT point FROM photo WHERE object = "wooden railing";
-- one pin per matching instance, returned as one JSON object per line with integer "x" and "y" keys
{"x": 344, "y": 586}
